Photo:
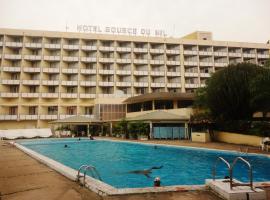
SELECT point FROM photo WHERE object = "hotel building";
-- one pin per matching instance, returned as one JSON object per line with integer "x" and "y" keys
{"x": 46, "y": 76}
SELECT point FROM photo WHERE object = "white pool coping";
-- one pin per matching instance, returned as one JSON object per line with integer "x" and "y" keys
{"x": 105, "y": 189}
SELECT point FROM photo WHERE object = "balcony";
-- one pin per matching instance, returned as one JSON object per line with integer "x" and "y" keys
{"x": 30, "y": 82}
{"x": 69, "y": 95}
{"x": 205, "y": 53}
{"x": 105, "y": 83}
{"x": 123, "y": 72}
{"x": 89, "y": 116}
{"x": 140, "y": 50}
{"x": 106, "y": 95}
{"x": 1, "y": 43}
{"x": 106, "y": 60}
{"x": 221, "y": 54}
{"x": 206, "y": 64}
{"x": 141, "y": 73}
{"x": 106, "y": 49}
{"x": 173, "y": 74}
{"x": 14, "y": 44}
{"x": 249, "y": 55}
{"x": 32, "y": 57}
{"x": 106, "y": 71}
{"x": 205, "y": 75}
{"x": 157, "y": 62}
{"x": 50, "y": 82}
{"x": 172, "y": 51}
{"x": 70, "y": 71}
{"x": 71, "y": 47}
{"x": 263, "y": 55}
{"x": 191, "y": 63}
{"x": 63, "y": 116}
{"x": 51, "y": 70}
{"x": 88, "y": 83}
{"x": 203, "y": 84}
{"x": 157, "y": 73}
{"x": 173, "y": 85}
{"x": 140, "y": 84}
{"x": 89, "y": 48}
{"x": 8, "y": 117}
{"x": 123, "y": 49}
{"x": 157, "y": 85}
{"x": 88, "y": 59}
{"x": 220, "y": 64}
{"x": 49, "y": 95}
{"x": 9, "y": 95}
{"x": 30, "y": 95}
{"x": 12, "y": 56}
{"x": 234, "y": 54}
{"x": 11, "y": 69}
{"x": 52, "y": 58}
{"x": 191, "y": 85}
{"x": 140, "y": 61}
{"x": 48, "y": 117}
{"x": 52, "y": 46}
{"x": 87, "y": 96}
{"x": 69, "y": 83}
{"x": 33, "y": 45}
{"x": 190, "y": 52}
{"x": 191, "y": 74}
{"x": 10, "y": 82}
{"x": 31, "y": 69}
{"x": 123, "y": 84}
{"x": 156, "y": 51}
{"x": 124, "y": 61}
{"x": 172, "y": 62}
{"x": 28, "y": 117}
{"x": 88, "y": 71}
{"x": 70, "y": 58}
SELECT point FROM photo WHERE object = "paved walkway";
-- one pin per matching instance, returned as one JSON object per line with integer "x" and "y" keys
{"x": 23, "y": 178}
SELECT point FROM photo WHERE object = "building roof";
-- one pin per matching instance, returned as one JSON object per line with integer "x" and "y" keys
{"x": 78, "y": 119}
{"x": 158, "y": 115}
{"x": 160, "y": 96}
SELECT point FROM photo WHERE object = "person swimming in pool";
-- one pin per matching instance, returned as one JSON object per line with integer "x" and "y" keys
{"x": 145, "y": 172}
{"x": 66, "y": 146}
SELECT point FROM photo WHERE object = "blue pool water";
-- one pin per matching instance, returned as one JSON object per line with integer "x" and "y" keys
{"x": 113, "y": 160}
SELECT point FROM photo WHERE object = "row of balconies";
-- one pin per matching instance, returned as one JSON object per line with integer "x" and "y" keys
{"x": 36, "y": 117}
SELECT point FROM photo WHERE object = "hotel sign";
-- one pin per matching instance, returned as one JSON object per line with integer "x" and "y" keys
{"x": 121, "y": 30}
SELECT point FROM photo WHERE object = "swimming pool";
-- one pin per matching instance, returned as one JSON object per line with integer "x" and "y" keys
{"x": 115, "y": 161}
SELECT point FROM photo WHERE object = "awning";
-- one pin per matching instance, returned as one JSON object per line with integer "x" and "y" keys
{"x": 78, "y": 119}
{"x": 159, "y": 115}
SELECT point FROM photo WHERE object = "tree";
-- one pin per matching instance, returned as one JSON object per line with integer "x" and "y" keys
{"x": 236, "y": 92}
{"x": 122, "y": 127}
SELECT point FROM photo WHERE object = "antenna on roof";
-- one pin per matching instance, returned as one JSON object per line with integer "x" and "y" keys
{"x": 66, "y": 27}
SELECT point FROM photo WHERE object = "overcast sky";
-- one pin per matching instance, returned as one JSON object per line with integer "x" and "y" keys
{"x": 234, "y": 20}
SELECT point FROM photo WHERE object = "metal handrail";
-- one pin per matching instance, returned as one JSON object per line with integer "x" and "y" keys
{"x": 86, "y": 168}
{"x": 250, "y": 173}
{"x": 215, "y": 166}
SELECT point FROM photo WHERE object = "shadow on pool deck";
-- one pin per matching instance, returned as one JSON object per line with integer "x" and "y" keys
{"x": 23, "y": 178}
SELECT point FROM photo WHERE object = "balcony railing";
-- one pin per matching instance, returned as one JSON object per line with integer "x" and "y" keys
{"x": 31, "y": 69}
{"x": 9, "y": 95}
{"x": 191, "y": 85}
{"x": 173, "y": 85}
{"x": 157, "y": 73}
{"x": 70, "y": 71}
{"x": 88, "y": 59}
{"x": 87, "y": 96}
{"x": 234, "y": 54}
{"x": 12, "y": 56}
{"x": 8, "y": 117}
{"x": 140, "y": 61}
{"x": 205, "y": 75}
{"x": 32, "y": 57}
{"x": 190, "y": 52}
{"x": 172, "y": 62}
{"x": 33, "y": 45}
{"x": 70, "y": 58}
{"x": 203, "y": 63}
{"x": 105, "y": 83}
{"x": 123, "y": 72}
{"x": 13, "y": 44}
{"x": 51, "y": 70}
{"x": 205, "y": 53}
{"x": 48, "y": 117}
{"x": 249, "y": 55}
{"x": 49, "y": 95}
{"x": 52, "y": 58}
{"x": 30, "y": 82}
{"x": 102, "y": 48}
{"x": 88, "y": 71}
{"x": 173, "y": 74}
{"x": 30, "y": 95}
{"x": 157, "y": 51}
{"x": 140, "y": 84}
{"x": 140, "y": 50}
{"x": 106, "y": 71}
{"x": 50, "y": 82}
{"x": 123, "y": 49}
{"x": 71, "y": 47}
{"x": 172, "y": 51}
{"x": 63, "y": 116}
{"x": 124, "y": 60}
{"x": 28, "y": 117}
{"x": 221, "y": 64}
{"x": 89, "y": 48}
{"x": 191, "y": 74}
{"x": 69, "y": 95}
{"x": 263, "y": 55}
{"x": 106, "y": 60}
{"x": 69, "y": 83}
{"x": 52, "y": 46}
{"x": 220, "y": 54}
{"x": 140, "y": 73}
{"x": 123, "y": 84}
{"x": 190, "y": 63}
{"x": 157, "y": 62}
{"x": 11, "y": 69}
{"x": 157, "y": 85}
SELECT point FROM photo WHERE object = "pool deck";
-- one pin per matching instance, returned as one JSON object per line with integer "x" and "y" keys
{"x": 22, "y": 177}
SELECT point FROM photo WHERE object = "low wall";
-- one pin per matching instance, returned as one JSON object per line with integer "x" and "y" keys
{"x": 235, "y": 138}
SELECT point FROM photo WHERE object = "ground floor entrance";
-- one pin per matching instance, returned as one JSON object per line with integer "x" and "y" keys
{"x": 169, "y": 131}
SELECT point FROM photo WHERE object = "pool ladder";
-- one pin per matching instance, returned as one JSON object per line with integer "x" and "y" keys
{"x": 230, "y": 170}
{"x": 86, "y": 168}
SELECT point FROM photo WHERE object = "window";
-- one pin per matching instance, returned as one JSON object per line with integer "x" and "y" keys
{"x": 162, "y": 104}
{"x": 71, "y": 110}
{"x": 13, "y": 110}
{"x": 88, "y": 110}
{"x": 52, "y": 110}
{"x": 32, "y": 110}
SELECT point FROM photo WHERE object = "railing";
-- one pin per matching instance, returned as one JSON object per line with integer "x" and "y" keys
{"x": 86, "y": 168}
{"x": 230, "y": 169}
